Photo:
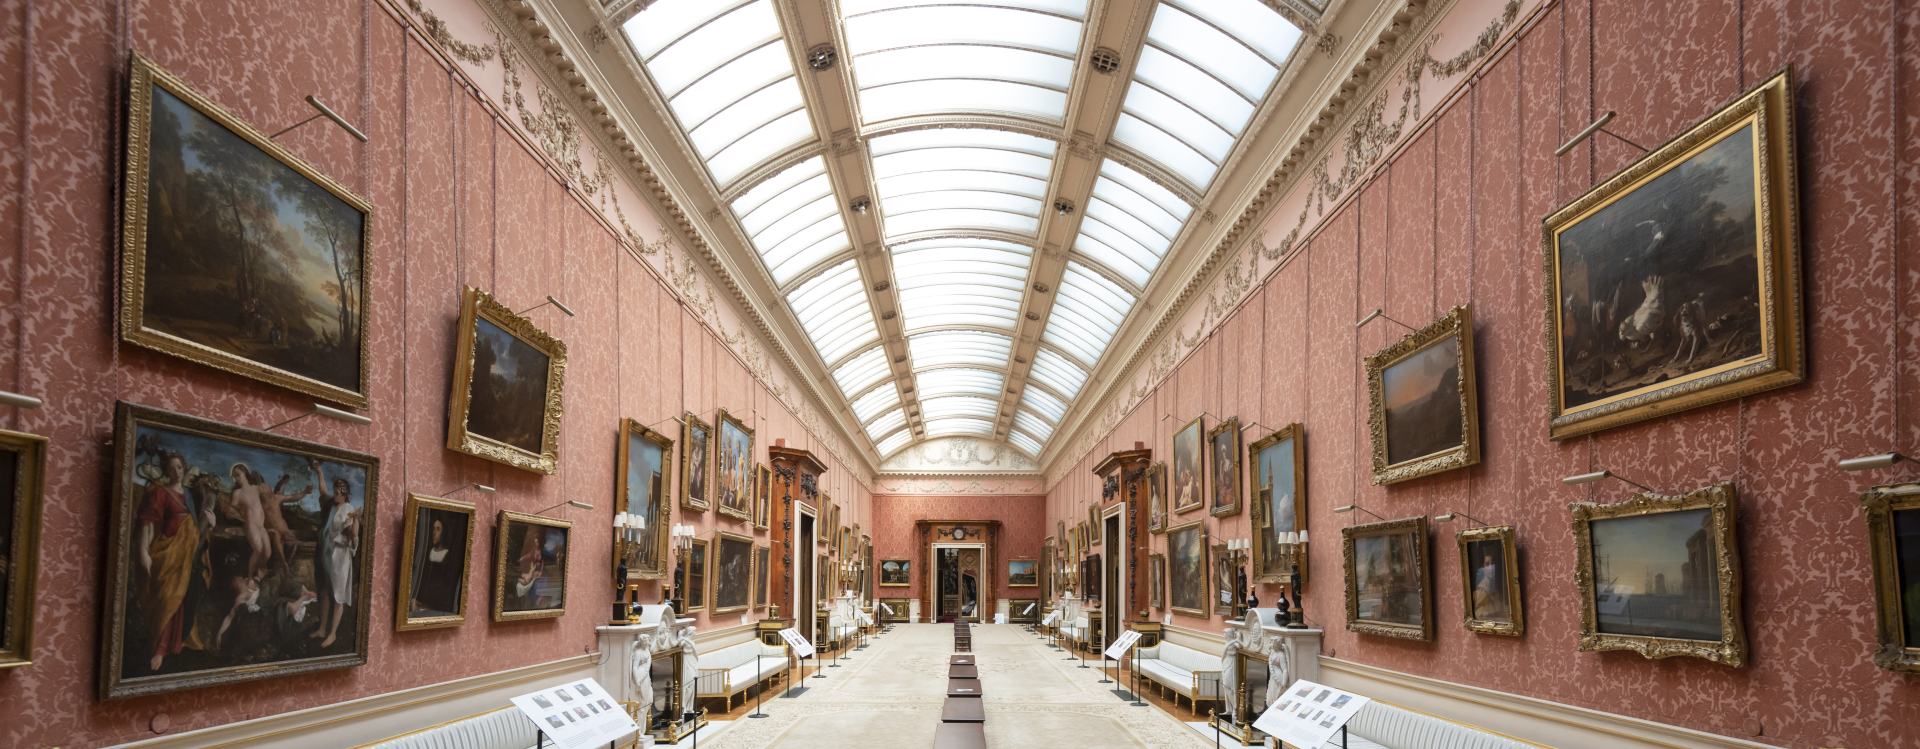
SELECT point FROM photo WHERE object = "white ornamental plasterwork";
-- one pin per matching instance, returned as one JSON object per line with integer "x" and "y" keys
{"x": 1022, "y": 486}
{"x": 954, "y": 454}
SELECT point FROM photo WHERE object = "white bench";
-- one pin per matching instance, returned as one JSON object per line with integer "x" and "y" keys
{"x": 1187, "y": 672}
{"x": 1382, "y": 726}
{"x": 1074, "y": 631}
{"x": 505, "y": 728}
{"x": 731, "y": 670}
{"x": 841, "y": 630}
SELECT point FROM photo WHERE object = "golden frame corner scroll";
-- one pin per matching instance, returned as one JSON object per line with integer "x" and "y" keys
{"x": 1897, "y": 649}
{"x": 1718, "y": 508}
{"x": 1455, "y": 328}
{"x": 1419, "y": 555}
{"x": 477, "y": 308}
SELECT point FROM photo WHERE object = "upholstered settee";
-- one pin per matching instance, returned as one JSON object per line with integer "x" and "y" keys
{"x": 505, "y": 728}
{"x": 731, "y": 670}
{"x": 1186, "y": 672}
{"x": 839, "y": 630}
{"x": 1382, "y": 726}
{"x": 1074, "y": 631}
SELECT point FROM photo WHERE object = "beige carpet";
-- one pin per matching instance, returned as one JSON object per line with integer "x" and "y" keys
{"x": 889, "y": 696}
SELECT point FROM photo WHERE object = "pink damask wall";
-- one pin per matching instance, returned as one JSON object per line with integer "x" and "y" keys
{"x": 459, "y": 200}
{"x": 895, "y": 536}
{"x": 1454, "y": 218}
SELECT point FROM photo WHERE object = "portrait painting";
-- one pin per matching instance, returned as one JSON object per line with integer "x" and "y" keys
{"x": 643, "y": 458}
{"x": 1490, "y": 579}
{"x": 1157, "y": 498}
{"x": 1423, "y": 403}
{"x": 1187, "y": 470}
{"x": 1660, "y": 575}
{"x": 763, "y": 505}
{"x": 236, "y": 253}
{"x": 1389, "y": 590}
{"x": 436, "y": 547}
{"x": 733, "y": 467}
{"x": 530, "y": 566}
{"x": 1156, "y": 581}
{"x": 762, "y": 575}
{"x": 507, "y": 378}
{"x": 732, "y": 572}
{"x": 695, "y": 595}
{"x": 1187, "y": 569}
{"x": 1676, "y": 282}
{"x": 234, "y": 554}
{"x": 895, "y": 573}
{"x": 1223, "y": 456}
{"x": 1023, "y": 573}
{"x": 1893, "y": 545}
{"x": 696, "y": 458}
{"x": 1279, "y": 474}
{"x": 23, "y": 463}
{"x": 1224, "y": 573}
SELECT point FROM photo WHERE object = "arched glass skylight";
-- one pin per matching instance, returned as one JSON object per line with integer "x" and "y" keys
{"x": 1130, "y": 223}
{"x": 793, "y": 219}
{"x": 862, "y": 372}
{"x": 943, "y": 382}
{"x": 961, "y": 180}
{"x": 1042, "y": 403}
{"x": 1206, "y": 67}
{"x": 1029, "y": 444}
{"x": 931, "y": 56}
{"x": 887, "y": 423}
{"x": 875, "y": 402}
{"x": 961, "y": 282}
{"x": 833, "y": 309}
{"x": 1086, "y": 315}
{"x": 724, "y": 70}
{"x": 889, "y": 445}
{"x": 1057, "y": 372}
{"x": 959, "y": 347}
{"x": 1025, "y": 421}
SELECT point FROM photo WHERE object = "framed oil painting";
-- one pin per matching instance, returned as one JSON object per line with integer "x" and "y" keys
{"x": 1188, "y": 473}
{"x": 507, "y": 376}
{"x": 1023, "y": 573}
{"x": 1156, "y": 581}
{"x": 436, "y": 552}
{"x": 696, "y": 458}
{"x": 1660, "y": 575}
{"x": 1157, "y": 498}
{"x": 733, "y": 467}
{"x": 23, "y": 465}
{"x": 1490, "y": 581}
{"x": 1280, "y": 502}
{"x": 644, "y": 456}
{"x": 530, "y": 566}
{"x": 1093, "y": 519}
{"x": 695, "y": 594}
{"x": 1223, "y": 452}
{"x": 762, "y": 575}
{"x": 236, "y": 253}
{"x": 1187, "y": 569}
{"x": 763, "y": 494}
{"x": 1423, "y": 402}
{"x": 1893, "y": 542}
{"x": 233, "y": 554}
{"x": 732, "y": 572}
{"x": 896, "y": 573}
{"x": 1224, "y": 572}
{"x": 1676, "y": 282}
{"x": 1389, "y": 588}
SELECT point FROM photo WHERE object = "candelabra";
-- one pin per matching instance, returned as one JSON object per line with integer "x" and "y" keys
{"x": 628, "y": 529}
{"x": 1237, "y": 553}
{"x": 1293, "y": 552}
{"x": 682, "y": 536}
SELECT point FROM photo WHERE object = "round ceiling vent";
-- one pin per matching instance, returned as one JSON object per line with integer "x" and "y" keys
{"x": 1104, "y": 60}
{"x": 823, "y": 56}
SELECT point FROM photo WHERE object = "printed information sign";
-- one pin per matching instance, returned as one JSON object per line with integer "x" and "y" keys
{"x": 1309, "y": 714}
{"x": 579, "y": 714}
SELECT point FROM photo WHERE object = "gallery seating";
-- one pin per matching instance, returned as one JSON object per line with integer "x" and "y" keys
{"x": 731, "y": 670}
{"x": 1073, "y": 631}
{"x": 505, "y": 728}
{"x": 840, "y": 631}
{"x": 1379, "y": 725}
{"x": 1187, "y": 672}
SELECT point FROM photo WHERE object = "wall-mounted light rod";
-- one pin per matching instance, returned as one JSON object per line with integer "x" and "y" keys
{"x": 1351, "y": 508}
{"x": 18, "y": 401}
{"x": 574, "y": 502}
{"x": 1598, "y": 126}
{"x": 327, "y": 112}
{"x": 1871, "y": 462}
{"x": 329, "y": 412}
{"x": 482, "y": 487}
{"x": 1448, "y": 518}
{"x": 1380, "y": 315}
{"x": 551, "y": 301}
{"x": 1588, "y": 478}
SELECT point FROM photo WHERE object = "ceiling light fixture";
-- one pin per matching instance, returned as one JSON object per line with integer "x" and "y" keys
{"x": 1063, "y": 206}
{"x": 822, "y": 57}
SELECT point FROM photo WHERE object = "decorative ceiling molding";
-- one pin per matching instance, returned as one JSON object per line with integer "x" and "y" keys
{"x": 968, "y": 455}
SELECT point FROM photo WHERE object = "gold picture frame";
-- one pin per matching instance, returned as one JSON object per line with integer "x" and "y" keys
{"x": 1598, "y": 255}
{"x": 732, "y": 484}
{"x": 146, "y": 315}
{"x": 696, "y": 461}
{"x": 1186, "y": 468}
{"x": 1372, "y": 610}
{"x": 512, "y": 443}
{"x": 898, "y": 571}
{"x": 1269, "y": 566}
{"x": 1187, "y": 547}
{"x": 1490, "y": 581}
{"x": 763, "y": 498}
{"x": 1157, "y": 498}
{"x": 694, "y": 592}
{"x": 416, "y": 580}
{"x": 518, "y": 592}
{"x": 1224, "y": 440}
{"x": 1713, "y": 514}
{"x": 23, "y": 490}
{"x": 1093, "y": 519}
{"x": 1023, "y": 572}
{"x": 648, "y": 561}
{"x": 1156, "y": 581}
{"x": 1896, "y": 563}
{"x": 762, "y": 575}
{"x": 1408, "y": 383}
{"x": 730, "y": 549}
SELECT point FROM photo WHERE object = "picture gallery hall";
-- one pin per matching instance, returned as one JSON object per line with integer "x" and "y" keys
{"x": 960, "y": 374}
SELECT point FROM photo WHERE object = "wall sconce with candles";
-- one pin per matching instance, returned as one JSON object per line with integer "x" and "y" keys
{"x": 628, "y": 530}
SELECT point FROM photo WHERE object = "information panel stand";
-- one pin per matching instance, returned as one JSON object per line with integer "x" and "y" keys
{"x": 802, "y": 650}
{"x": 1309, "y": 714}
{"x": 1117, "y": 652}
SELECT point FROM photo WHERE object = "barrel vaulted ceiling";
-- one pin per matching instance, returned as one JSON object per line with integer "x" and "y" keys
{"x": 958, "y": 206}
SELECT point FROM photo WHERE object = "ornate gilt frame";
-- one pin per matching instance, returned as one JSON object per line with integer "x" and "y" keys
{"x": 1261, "y": 524}
{"x": 1157, "y": 488}
{"x": 688, "y": 423}
{"x": 763, "y": 575}
{"x": 1423, "y": 551}
{"x": 1156, "y": 581}
{"x": 1200, "y": 471}
{"x": 763, "y": 497}
{"x": 1036, "y": 573}
{"x": 144, "y": 74}
{"x": 697, "y": 548}
{"x": 409, "y": 530}
{"x": 1457, "y": 325}
{"x": 908, "y": 583}
{"x": 1770, "y": 107}
{"x": 1894, "y": 652}
{"x": 721, "y": 421}
{"x": 1206, "y": 570}
{"x": 1505, "y": 535}
{"x": 476, "y": 304}
{"x": 500, "y": 573}
{"x": 1723, "y": 504}
{"x": 1233, "y": 426}
{"x": 29, "y": 492}
{"x": 713, "y": 580}
{"x": 662, "y": 506}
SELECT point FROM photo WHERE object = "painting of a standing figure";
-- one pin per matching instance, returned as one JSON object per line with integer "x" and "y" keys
{"x": 530, "y": 567}
{"x": 233, "y": 550}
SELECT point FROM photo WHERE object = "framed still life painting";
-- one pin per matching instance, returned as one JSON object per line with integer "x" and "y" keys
{"x": 233, "y": 554}
{"x": 1490, "y": 581}
{"x": 507, "y": 376}
{"x": 1660, "y": 575}
{"x": 1187, "y": 569}
{"x": 530, "y": 556}
{"x": 436, "y": 551}
{"x": 23, "y": 464}
{"x": 643, "y": 478}
{"x": 1893, "y": 540}
{"x": 1676, "y": 282}
{"x": 236, "y": 253}
{"x": 1280, "y": 504}
{"x": 696, "y": 458}
{"x": 1187, "y": 471}
{"x": 733, "y": 467}
{"x": 1389, "y": 588}
{"x": 1223, "y": 452}
{"x": 1423, "y": 402}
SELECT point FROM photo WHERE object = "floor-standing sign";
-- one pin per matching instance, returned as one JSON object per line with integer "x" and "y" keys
{"x": 1309, "y": 714}
{"x": 1118, "y": 651}
{"x": 801, "y": 650}
{"x": 578, "y": 714}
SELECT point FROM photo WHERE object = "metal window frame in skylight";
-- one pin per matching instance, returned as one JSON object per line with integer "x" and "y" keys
{"x": 887, "y": 423}
{"x": 1044, "y": 404}
{"x": 946, "y": 381}
{"x": 832, "y": 307}
{"x": 862, "y": 372}
{"x": 938, "y": 56}
{"x": 874, "y": 402}
{"x": 968, "y": 348}
{"x": 1028, "y": 421}
{"x": 958, "y": 426}
{"x": 953, "y": 406}
{"x": 1087, "y": 313}
{"x": 1024, "y": 443}
{"x": 893, "y": 443}
{"x": 1051, "y": 370}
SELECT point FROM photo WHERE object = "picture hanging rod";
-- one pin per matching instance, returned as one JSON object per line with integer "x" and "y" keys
{"x": 482, "y": 487}
{"x": 327, "y": 112}
{"x": 1598, "y": 126}
{"x": 574, "y": 502}
{"x": 1351, "y": 508}
{"x": 18, "y": 401}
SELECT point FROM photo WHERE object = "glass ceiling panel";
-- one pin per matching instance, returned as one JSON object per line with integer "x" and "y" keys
{"x": 893, "y": 420}
{"x": 1043, "y": 404}
{"x": 1130, "y": 223}
{"x": 926, "y": 56}
{"x": 1057, "y": 372}
{"x": 964, "y": 347}
{"x": 1025, "y": 421}
{"x": 938, "y": 408}
{"x": 727, "y": 75}
{"x": 874, "y": 403}
{"x": 948, "y": 282}
{"x": 949, "y": 427}
{"x": 864, "y": 371}
{"x": 944, "y": 382}
{"x": 961, "y": 179}
{"x": 1028, "y": 444}
{"x": 1087, "y": 314}
{"x": 793, "y": 219}
{"x": 889, "y": 445}
{"x": 833, "y": 309}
